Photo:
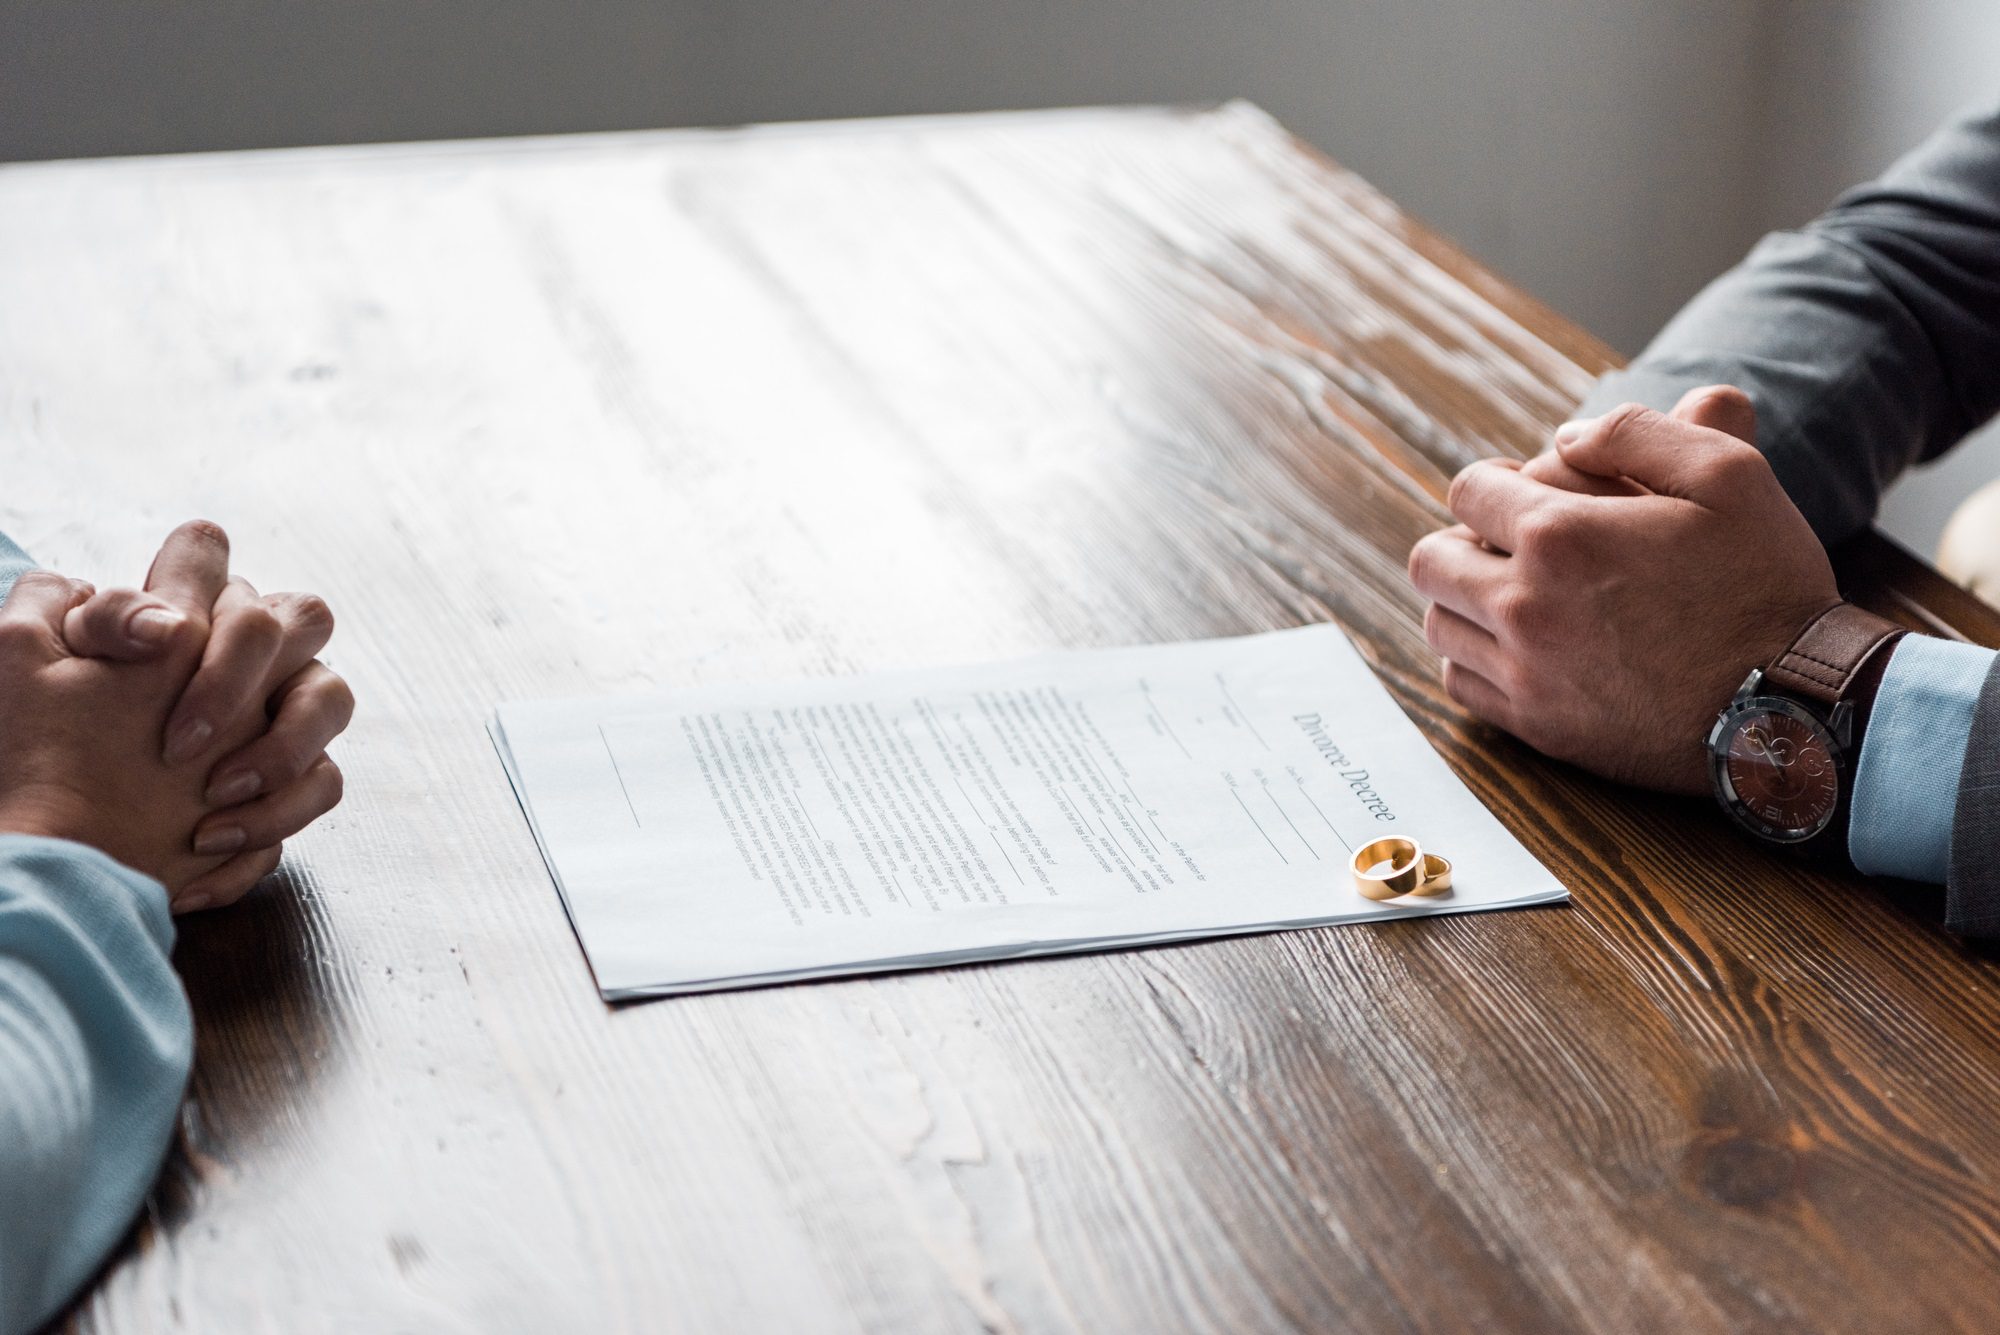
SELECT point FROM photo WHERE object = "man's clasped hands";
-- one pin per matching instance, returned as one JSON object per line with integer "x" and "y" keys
{"x": 180, "y": 727}
{"x": 1603, "y": 600}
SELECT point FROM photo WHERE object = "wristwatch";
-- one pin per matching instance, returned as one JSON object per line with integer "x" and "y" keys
{"x": 1781, "y": 756}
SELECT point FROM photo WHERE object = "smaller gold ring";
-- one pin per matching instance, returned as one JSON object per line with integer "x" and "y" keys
{"x": 1437, "y": 876}
{"x": 1405, "y": 870}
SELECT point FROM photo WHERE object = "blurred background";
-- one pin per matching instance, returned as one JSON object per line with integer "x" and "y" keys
{"x": 1607, "y": 155}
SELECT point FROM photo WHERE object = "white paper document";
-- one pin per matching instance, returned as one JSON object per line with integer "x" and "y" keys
{"x": 726, "y": 836}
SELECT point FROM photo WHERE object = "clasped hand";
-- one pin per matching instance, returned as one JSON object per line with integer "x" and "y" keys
{"x": 1603, "y": 601}
{"x": 180, "y": 728}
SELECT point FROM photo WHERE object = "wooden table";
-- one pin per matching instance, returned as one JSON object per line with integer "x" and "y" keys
{"x": 621, "y": 412}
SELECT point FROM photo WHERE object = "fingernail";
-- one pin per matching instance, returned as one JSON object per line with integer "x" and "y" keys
{"x": 1572, "y": 431}
{"x": 187, "y": 741}
{"x": 192, "y": 904}
{"x": 152, "y": 625}
{"x": 238, "y": 787}
{"x": 221, "y": 839}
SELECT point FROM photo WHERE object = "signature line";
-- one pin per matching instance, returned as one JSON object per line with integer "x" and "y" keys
{"x": 621, "y": 776}
{"x": 1260, "y": 828}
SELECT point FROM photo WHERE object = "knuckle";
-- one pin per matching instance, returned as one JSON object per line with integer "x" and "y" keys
{"x": 1423, "y": 559}
{"x": 1433, "y": 621}
{"x": 1546, "y": 467}
{"x": 46, "y": 580}
{"x": 1629, "y": 413}
{"x": 304, "y": 751}
{"x": 283, "y": 758}
{"x": 336, "y": 785}
{"x": 1534, "y": 533}
{"x": 120, "y": 600}
{"x": 1626, "y": 417}
{"x": 259, "y": 624}
{"x": 321, "y": 702}
{"x": 241, "y": 877}
{"x": 1549, "y": 535}
{"x": 1465, "y": 483}
{"x": 1520, "y": 612}
{"x": 1738, "y": 465}
{"x": 108, "y": 612}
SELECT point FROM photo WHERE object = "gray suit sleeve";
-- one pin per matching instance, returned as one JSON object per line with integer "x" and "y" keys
{"x": 1869, "y": 340}
{"x": 1972, "y": 889}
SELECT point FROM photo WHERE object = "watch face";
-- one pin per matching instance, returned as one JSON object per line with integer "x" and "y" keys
{"x": 1775, "y": 769}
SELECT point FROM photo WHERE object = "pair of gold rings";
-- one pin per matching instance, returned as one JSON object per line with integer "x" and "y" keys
{"x": 1392, "y": 867}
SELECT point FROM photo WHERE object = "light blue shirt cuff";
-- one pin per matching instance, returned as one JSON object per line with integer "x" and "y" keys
{"x": 1906, "y": 785}
{"x": 13, "y": 564}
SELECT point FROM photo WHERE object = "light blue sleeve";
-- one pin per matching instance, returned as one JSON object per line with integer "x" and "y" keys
{"x": 13, "y": 561}
{"x": 1906, "y": 784}
{"x": 95, "y": 1045}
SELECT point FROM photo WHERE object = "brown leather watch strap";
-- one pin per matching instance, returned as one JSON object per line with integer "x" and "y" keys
{"x": 1830, "y": 653}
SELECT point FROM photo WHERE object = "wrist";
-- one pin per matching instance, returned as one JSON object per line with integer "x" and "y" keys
{"x": 46, "y": 813}
{"x": 1760, "y": 638}
{"x": 1783, "y": 753}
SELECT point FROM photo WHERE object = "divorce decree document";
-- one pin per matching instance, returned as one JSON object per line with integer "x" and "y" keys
{"x": 727, "y": 836}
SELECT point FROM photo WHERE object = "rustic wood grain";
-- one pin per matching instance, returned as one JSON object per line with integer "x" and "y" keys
{"x": 609, "y": 413}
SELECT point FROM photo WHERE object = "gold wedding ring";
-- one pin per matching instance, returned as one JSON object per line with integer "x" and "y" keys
{"x": 1393, "y": 867}
{"x": 1388, "y": 868}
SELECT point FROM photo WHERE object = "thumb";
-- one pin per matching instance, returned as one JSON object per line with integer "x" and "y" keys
{"x": 1723, "y": 408}
{"x": 124, "y": 625}
{"x": 1665, "y": 455}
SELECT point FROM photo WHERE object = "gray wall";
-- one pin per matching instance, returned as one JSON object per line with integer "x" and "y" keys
{"x": 1554, "y": 138}
{"x": 1609, "y": 155}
